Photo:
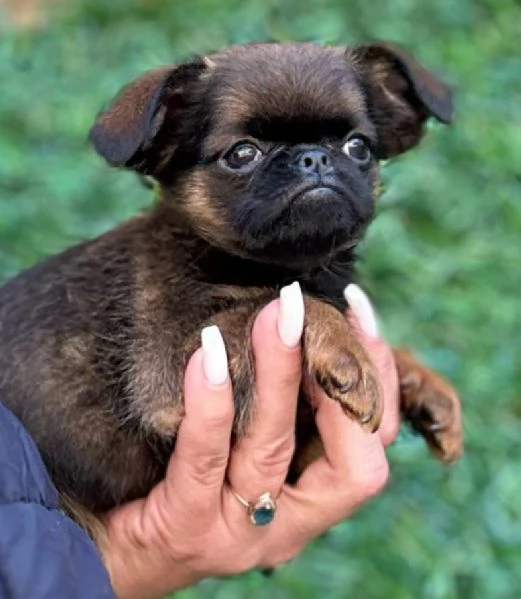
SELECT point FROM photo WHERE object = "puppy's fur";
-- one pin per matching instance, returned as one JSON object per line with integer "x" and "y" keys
{"x": 94, "y": 341}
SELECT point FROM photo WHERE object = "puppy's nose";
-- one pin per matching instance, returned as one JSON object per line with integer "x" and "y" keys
{"x": 314, "y": 162}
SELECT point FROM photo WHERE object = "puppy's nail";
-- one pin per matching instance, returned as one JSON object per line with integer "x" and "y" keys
{"x": 291, "y": 315}
{"x": 215, "y": 360}
{"x": 361, "y": 306}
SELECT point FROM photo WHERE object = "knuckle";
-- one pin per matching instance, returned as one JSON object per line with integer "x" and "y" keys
{"x": 279, "y": 376}
{"x": 207, "y": 470}
{"x": 389, "y": 431}
{"x": 219, "y": 418}
{"x": 372, "y": 481}
{"x": 290, "y": 375}
{"x": 273, "y": 459}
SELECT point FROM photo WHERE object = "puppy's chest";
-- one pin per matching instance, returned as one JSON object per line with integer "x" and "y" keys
{"x": 217, "y": 282}
{"x": 327, "y": 288}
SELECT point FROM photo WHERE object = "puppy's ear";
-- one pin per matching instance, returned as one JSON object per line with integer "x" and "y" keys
{"x": 401, "y": 95}
{"x": 143, "y": 125}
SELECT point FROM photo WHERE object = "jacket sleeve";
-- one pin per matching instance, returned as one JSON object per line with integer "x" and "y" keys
{"x": 43, "y": 553}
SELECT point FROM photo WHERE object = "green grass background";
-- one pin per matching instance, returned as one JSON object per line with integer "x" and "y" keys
{"x": 442, "y": 261}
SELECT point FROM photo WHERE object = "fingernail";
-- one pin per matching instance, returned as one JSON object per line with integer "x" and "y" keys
{"x": 215, "y": 360}
{"x": 362, "y": 309}
{"x": 291, "y": 315}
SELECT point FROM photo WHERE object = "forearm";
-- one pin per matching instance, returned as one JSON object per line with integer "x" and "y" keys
{"x": 43, "y": 553}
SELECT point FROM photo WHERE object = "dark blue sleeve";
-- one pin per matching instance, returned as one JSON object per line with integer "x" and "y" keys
{"x": 43, "y": 553}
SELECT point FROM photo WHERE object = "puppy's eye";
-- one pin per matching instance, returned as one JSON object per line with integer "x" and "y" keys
{"x": 357, "y": 149}
{"x": 242, "y": 157}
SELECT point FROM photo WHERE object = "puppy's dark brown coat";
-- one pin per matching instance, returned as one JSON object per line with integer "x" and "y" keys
{"x": 267, "y": 160}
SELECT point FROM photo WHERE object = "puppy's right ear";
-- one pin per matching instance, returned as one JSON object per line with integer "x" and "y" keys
{"x": 141, "y": 128}
{"x": 401, "y": 95}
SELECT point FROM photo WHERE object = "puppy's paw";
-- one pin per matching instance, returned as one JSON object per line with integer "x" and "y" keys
{"x": 352, "y": 381}
{"x": 431, "y": 406}
{"x": 341, "y": 367}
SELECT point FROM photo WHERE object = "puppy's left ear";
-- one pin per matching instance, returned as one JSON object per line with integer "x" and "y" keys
{"x": 401, "y": 95}
{"x": 150, "y": 118}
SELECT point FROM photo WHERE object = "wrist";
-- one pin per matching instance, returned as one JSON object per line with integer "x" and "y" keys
{"x": 139, "y": 565}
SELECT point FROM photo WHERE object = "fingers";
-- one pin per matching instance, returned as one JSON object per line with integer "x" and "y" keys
{"x": 261, "y": 459}
{"x": 354, "y": 467}
{"x": 353, "y": 470}
{"x": 354, "y": 463}
{"x": 383, "y": 358}
{"x": 198, "y": 465}
{"x": 362, "y": 318}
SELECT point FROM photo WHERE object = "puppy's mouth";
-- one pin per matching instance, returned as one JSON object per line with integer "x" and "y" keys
{"x": 318, "y": 192}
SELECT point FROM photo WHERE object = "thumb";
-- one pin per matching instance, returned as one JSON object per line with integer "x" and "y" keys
{"x": 361, "y": 316}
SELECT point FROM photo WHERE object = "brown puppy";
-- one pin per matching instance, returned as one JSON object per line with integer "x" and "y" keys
{"x": 267, "y": 159}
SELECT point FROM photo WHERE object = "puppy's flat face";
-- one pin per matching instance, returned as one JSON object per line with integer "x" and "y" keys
{"x": 287, "y": 159}
{"x": 270, "y": 151}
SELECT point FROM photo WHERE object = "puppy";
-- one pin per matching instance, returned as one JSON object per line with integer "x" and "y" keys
{"x": 267, "y": 160}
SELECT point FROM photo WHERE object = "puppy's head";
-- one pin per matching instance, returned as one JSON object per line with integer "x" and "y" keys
{"x": 270, "y": 151}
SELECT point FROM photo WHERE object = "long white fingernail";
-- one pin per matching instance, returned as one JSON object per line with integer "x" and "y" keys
{"x": 215, "y": 360}
{"x": 291, "y": 315}
{"x": 362, "y": 308}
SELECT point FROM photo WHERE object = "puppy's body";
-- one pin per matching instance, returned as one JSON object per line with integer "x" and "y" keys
{"x": 267, "y": 160}
{"x": 102, "y": 334}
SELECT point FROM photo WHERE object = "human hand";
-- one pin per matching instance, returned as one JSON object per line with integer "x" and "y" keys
{"x": 191, "y": 525}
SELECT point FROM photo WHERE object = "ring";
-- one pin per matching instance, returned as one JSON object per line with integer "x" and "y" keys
{"x": 261, "y": 511}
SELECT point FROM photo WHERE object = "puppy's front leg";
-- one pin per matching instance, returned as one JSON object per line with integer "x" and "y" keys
{"x": 337, "y": 361}
{"x": 431, "y": 405}
{"x": 332, "y": 357}
{"x": 157, "y": 385}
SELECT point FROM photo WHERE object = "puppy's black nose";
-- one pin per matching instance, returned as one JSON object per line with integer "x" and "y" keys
{"x": 314, "y": 162}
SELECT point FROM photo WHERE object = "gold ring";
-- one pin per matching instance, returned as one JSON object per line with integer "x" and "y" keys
{"x": 261, "y": 511}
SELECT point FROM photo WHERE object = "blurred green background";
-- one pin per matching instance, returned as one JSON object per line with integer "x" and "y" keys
{"x": 442, "y": 261}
